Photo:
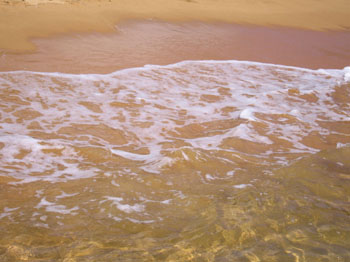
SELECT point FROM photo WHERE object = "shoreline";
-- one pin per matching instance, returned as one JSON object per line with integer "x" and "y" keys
{"x": 142, "y": 42}
{"x": 22, "y": 21}
{"x": 327, "y": 71}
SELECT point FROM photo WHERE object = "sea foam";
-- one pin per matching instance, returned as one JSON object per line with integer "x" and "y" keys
{"x": 57, "y": 125}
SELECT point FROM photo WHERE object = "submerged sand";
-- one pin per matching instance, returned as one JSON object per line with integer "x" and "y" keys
{"x": 20, "y": 21}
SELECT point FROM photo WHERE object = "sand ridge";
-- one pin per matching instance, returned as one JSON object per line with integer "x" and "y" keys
{"x": 22, "y": 20}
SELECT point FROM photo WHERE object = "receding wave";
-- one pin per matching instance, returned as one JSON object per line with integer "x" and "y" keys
{"x": 200, "y": 160}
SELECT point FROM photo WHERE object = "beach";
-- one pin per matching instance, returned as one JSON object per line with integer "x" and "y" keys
{"x": 169, "y": 130}
{"x": 137, "y": 43}
{"x": 34, "y": 35}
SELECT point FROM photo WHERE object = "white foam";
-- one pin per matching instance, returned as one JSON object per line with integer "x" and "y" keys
{"x": 125, "y": 207}
{"x": 131, "y": 156}
{"x": 37, "y": 160}
{"x": 209, "y": 177}
{"x": 64, "y": 195}
{"x": 295, "y": 112}
{"x": 137, "y": 221}
{"x": 147, "y": 105}
{"x": 245, "y": 132}
{"x": 8, "y": 209}
{"x": 15, "y": 143}
{"x": 347, "y": 74}
{"x": 62, "y": 209}
{"x": 115, "y": 218}
{"x": 38, "y": 193}
{"x": 166, "y": 202}
{"x": 247, "y": 113}
{"x": 340, "y": 145}
{"x": 230, "y": 173}
{"x": 52, "y": 207}
{"x": 8, "y": 212}
{"x": 185, "y": 156}
{"x": 242, "y": 186}
{"x": 115, "y": 183}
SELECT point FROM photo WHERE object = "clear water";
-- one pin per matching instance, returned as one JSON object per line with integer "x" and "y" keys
{"x": 196, "y": 161}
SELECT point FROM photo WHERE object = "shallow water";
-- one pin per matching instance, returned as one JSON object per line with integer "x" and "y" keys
{"x": 196, "y": 161}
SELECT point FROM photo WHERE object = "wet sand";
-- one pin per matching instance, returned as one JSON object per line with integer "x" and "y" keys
{"x": 138, "y": 43}
{"x": 104, "y": 36}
